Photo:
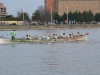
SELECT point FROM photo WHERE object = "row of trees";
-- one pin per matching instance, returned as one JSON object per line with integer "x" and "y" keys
{"x": 85, "y": 16}
{"x": 19, "y": 17}
{"x": 44, "y": 16}
{"x": 76, "y": 16}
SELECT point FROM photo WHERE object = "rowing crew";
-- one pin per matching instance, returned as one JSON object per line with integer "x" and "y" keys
{"x": 77, "y": 35}
{"x": 55, "y": 36}
{"x": 36, "y": 37}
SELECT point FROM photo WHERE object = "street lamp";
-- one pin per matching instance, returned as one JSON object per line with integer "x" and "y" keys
{"x": 0, "y": 13}
{"x": 23, "y": 14}
{"x": 51, "y": 15}
{"x": 67, "y": 14}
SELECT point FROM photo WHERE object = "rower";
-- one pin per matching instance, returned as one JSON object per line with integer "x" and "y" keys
{"x": 27, "y": 37}
{"x": 36, "y": 37}
{"x": 78, "y": 34}
{"x": 44, "y": 37}
{"x": 73, "y": 35}
{"x": 64, "y": 35}
{"x": 30, "y": 37}
{"x": 70, "y": 36}
{"x": 13, "y": 34}
{"x": 61, "y": 35}
{"x": 48, "y": 37}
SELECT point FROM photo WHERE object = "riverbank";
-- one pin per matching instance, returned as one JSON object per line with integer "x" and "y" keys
{"x": 47, "y": 27}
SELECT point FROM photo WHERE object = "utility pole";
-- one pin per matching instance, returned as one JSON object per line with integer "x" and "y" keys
{"x": 51, "y": 15}
{"x": 67, "y": 14}
{"x": 23, "y": 14}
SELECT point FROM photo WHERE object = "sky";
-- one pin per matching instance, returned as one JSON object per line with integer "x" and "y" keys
{"x": 17, "y": 5}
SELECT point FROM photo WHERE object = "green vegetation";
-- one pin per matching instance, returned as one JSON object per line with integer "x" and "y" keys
{"x": 77, "y": 16}
{"x": 36, "y": 15}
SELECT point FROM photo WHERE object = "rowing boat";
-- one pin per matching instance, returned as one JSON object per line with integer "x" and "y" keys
{"x": 80, "y": 38}
{"x": 5, "y": 41}
{"x": 51, "y": 40}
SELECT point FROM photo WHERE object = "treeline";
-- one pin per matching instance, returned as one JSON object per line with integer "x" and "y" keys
{"x": 85, "y": 16}
{"x": 42, "y": 15}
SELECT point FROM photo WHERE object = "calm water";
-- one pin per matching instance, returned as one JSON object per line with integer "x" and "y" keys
{"x": 72, "y": 58}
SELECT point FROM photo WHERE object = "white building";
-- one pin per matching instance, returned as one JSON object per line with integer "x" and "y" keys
{"x": 2, "y": 10}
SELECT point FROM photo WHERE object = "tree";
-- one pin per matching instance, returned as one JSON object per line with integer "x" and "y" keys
{"x": 70, "y": 16}
{"x": 56, "y": 17}
{"x": 64, "y": 17}
{"x": 20, "y": 15}
{"x": 75, "y": 16}
{"x": 87, "y": 16}
{"x": 97, "y": 17}
{"x": 79, "y": 17}
{"x": 84, "y": 14}
{"x": 44, "y": 14}
{"x": 41, "y": 10}
{"x": 90, "y": 16}
{"x": 36, "y": 16}
{"x": 9, "y": 18}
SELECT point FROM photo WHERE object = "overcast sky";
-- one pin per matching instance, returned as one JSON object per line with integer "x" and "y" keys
{"x": 16, "y": 5}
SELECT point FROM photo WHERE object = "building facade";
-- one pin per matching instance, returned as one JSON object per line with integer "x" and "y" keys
{"x": 50, "y": 5}
{"x": 61, "y": 6}
{"x": 77, "y": 5}
{"x": 2, "y": 10}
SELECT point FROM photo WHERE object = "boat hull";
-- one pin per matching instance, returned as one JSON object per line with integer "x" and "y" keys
{"x": 5, "y": 41}
{"x": 81, "y": 38}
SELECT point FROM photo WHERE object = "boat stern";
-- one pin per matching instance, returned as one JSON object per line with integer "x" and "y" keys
{"x": 4, "y": 41}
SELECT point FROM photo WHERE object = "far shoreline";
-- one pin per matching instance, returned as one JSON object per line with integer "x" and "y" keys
{"x": 47, "y": 27}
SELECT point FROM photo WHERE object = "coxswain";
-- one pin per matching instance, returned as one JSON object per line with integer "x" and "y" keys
{"x": 13, "y": 34}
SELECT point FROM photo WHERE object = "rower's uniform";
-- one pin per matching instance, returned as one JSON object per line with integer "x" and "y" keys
{"x": 13, "y": 34}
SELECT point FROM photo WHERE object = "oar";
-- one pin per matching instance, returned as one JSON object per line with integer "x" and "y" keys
{"x": 87, "y": 33}
{"x": 4, "y": 35}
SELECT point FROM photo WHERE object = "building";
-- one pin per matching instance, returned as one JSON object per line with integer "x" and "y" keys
{"x": 77, "y": 5}
{"x": 2, "y": 10}
{"x": 61, "y": 6}
{"x": 50, "y": 5}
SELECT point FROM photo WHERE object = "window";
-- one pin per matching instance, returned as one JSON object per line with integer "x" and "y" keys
{"x": 4, "y": 10}
{"x": 1, "y": 9}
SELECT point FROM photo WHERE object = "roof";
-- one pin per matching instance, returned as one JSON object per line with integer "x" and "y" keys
{"x": 2, "y": 6}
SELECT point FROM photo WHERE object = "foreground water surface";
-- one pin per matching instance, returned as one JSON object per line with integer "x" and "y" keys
{"x": 72, "y": 58}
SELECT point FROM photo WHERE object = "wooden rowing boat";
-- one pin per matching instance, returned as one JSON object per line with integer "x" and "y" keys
{"x": 51, "y": 40}
{"x": 80, "y": 38}
{"x": 5, "y": 41}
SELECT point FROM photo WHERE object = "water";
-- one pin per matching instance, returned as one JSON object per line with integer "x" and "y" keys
{"x": 72, "y": 58}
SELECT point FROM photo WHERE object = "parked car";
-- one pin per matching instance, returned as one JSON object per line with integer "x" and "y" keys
{"x": 13, "y": 24}
{"x": 40, "y": 23}
{"x": 98, "y": 22}
{"x": 33, "y": 23}
{"x": 20, "y": 24}
{"x": 49, "y": 23}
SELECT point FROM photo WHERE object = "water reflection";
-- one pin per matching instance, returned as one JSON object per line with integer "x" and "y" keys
{"x": 78, "y": 58}
{"x": 13, "y": 45}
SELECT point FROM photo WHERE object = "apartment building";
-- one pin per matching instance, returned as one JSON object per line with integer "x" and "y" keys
{"x": 2, "y": 10}
{"x": 61, "y": 6}
{"x": 77, "y": 5}
{"x": 50, "y": 5}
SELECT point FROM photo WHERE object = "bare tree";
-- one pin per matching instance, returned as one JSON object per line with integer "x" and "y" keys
{"x": 44, "y": 14}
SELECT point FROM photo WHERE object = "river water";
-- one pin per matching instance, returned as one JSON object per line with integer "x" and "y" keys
{"x": 71, "y": 58}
